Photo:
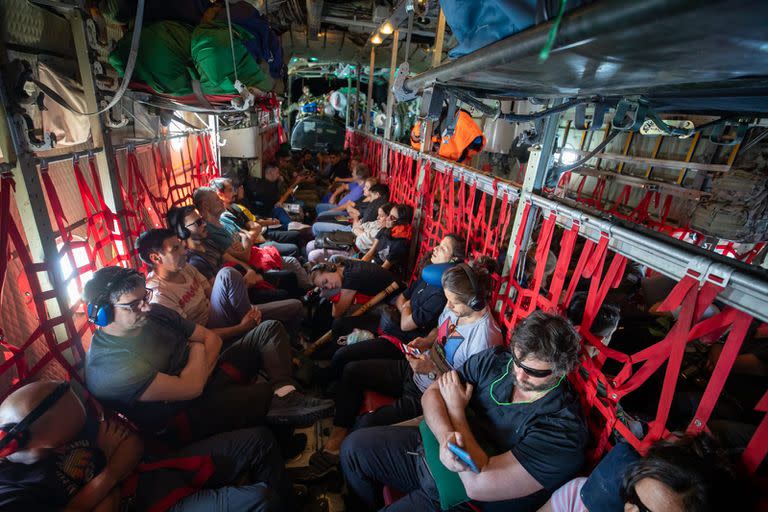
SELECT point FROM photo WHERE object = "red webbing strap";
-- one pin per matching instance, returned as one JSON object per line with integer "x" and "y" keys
{"x": 110, "y": 231}
{"x": 757, "y": 448}
{"x": 622, "y": 200}
{"x": 567, "y": 245}
{"x": 598, "y": 289}
{"x": 678, "y": 337}
{"x": 720, "y": 374}
{"x": 586, "y": 252}
{"x": 519, "y": 239}
{"x": 202, "y": 465}
{"x": 146, "y": 198}
{"x": 541, "y": 255}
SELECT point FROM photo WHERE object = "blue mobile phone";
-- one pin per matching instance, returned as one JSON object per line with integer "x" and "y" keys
{"x": 464, "y": 457}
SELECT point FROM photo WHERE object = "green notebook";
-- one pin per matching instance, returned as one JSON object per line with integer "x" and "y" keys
{"x": 449, "y": 484}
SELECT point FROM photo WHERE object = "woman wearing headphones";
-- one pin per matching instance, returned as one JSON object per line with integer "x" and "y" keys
{"x": 465, "y": 327}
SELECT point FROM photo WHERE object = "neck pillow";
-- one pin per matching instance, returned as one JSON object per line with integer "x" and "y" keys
{"x": 433, "y": 274}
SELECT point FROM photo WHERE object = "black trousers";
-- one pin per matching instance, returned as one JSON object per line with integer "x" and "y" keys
{"x": 376, "y": 348}
{"x": 250, "y": 454}
{"x": 389, "y": 377}
{"x": 230, "y": 401}
{"x": 378, "y": 456}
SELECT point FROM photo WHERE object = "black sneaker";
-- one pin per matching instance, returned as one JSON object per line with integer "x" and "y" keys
{"x": 321, "y": 464}
{"x": 298, "y": 410}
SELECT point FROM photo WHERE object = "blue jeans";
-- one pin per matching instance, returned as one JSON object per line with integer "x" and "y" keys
{"x": 230, "y": 302}
{"x": 318, "y": 228}
{"x": 324, "y": 207}
{"x": 281, "y": 215}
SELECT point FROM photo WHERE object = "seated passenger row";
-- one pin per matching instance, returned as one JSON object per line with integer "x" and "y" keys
{"x": 200, "y": 355}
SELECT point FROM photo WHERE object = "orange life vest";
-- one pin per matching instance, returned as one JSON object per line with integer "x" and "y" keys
{"x": 462, "y": 145}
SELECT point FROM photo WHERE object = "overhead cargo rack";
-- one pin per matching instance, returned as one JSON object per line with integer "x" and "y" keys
{"x": 621, "y": 48}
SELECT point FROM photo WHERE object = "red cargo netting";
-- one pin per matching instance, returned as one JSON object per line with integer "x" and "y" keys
{"x": 452, "y": 205}
{"x": 402, "y": 178}
{"x": 40, "y": 353}
{"x": 601, "y": 394}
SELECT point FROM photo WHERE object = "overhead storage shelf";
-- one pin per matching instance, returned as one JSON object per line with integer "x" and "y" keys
{"x": 684, "y": 54}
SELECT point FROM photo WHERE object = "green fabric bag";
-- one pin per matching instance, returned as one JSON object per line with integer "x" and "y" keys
{"x": 212, "y": 57}
{"x": 449, "y": 484}
{"x": 164, "y": 62}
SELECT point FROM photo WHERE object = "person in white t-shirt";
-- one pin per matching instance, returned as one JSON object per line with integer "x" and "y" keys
{"x": 225, "y": 309}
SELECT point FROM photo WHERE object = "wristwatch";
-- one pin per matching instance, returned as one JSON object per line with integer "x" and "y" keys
{"x": 432, "y": 375}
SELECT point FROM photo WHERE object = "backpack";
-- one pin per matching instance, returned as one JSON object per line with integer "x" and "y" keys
{"x": 337, "y": 240}
{"x": 737, "y": 210}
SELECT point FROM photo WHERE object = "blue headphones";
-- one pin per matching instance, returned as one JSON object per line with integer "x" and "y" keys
{"x": 100, "y": 310}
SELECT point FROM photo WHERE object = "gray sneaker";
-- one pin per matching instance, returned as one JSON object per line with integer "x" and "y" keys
{"x": 298, "y": 410}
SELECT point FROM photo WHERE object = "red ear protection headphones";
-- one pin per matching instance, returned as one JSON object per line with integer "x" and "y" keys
{"x": 15, "y": 436}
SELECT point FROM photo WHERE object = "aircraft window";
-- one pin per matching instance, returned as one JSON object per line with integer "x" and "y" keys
{"x": 81, "y": 259}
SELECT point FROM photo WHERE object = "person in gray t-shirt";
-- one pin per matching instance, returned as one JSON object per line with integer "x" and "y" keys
{"x": 465, "y": 327}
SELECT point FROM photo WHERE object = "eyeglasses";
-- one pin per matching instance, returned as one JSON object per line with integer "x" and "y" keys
{"x": 633, "y": 499}
{"x": 533, "y": 372}
{"x": 199, "y": 222}
{"x": 135, "y": 305}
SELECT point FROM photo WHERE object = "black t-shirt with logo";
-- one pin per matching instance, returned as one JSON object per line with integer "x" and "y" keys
{"x": 547, "y": 436}
{"x": 50, "y": 483}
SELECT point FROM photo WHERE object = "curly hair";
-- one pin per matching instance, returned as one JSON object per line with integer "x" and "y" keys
{"x": 548, "y": 337}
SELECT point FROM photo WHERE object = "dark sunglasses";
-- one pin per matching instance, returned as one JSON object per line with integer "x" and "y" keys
{"x": 199, "y": 222}
{"x": 135, "y": 305}
{"x": 533, "y": 372}
{"x": 633, "y": 499}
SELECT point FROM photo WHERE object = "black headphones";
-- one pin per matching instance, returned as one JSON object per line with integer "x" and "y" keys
{"x": 477, "y": 302}
{"x": 176, "y": 221}
{"x": 15, "y": 436}
{"x": 100, "y": 310}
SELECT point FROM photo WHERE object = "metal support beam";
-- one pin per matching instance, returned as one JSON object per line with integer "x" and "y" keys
{"x": 745, "y": 290}
{"x": 390, "y": 94}
{"x": 349, "y": 100}
{"x": 36, "y": 223}
{"x": 358, "y": 67}
{"x": 437, "y": 50}
{"x": 535, "y": 175}
{"x": 369, "y": 106}
{"x": 314, "y": 10}
{"x": 105, "y": 161}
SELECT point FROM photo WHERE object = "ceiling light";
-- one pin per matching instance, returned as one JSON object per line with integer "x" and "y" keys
{"x": 386, "y": 28}
{"x": 376, "y": 39}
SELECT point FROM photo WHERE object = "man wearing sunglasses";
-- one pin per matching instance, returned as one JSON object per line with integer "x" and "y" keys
{"x": 525, "y": 435}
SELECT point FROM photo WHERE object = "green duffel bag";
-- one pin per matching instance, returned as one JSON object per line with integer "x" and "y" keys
{"x": 212, "y": 57}
{"x": 164, "y": 61}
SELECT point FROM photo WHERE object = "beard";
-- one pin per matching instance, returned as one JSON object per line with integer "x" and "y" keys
{"x": 527, "y": 386}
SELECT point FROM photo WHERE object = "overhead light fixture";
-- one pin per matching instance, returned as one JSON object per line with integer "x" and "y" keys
{"x": 386, "y": 28}
{"x": 376, "y": 39}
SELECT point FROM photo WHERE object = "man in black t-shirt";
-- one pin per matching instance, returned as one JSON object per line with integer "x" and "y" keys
{"x": 63, "y": 459}
{"x": 526, "y": 433}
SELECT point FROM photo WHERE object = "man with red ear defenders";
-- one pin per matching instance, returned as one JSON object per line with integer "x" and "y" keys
{"x": 55, "y": 456}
